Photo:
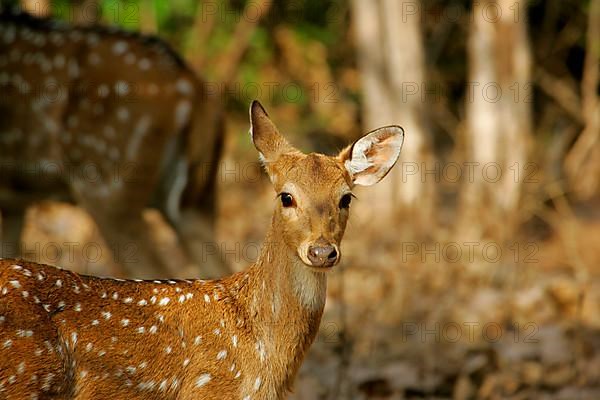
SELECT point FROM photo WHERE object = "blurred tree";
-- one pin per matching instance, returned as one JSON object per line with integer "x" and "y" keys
{"x": 391, "y": 61}
{"x": 498, "y": 116}
{"x": 582, "y": 163}
{"x": 39, "y": 8}
{"x": 219, "y": 23}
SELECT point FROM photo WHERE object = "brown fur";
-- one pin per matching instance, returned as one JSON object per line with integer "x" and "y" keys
{"x": 69, "y": 336}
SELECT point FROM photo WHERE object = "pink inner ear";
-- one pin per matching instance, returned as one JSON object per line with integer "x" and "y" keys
{"x": 374, "y": 155}
{"x": 379, "y": 157}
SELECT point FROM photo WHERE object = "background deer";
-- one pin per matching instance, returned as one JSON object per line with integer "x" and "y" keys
{"x": 115, "y": 121}
{"x": 241, "y": 337}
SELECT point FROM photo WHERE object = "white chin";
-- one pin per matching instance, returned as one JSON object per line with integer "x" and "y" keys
{"x": 304, "y": 260}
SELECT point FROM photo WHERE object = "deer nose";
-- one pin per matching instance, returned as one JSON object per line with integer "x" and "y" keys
{"x": 322, "y": 255}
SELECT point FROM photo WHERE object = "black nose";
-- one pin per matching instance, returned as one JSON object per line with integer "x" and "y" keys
{"x": 322, "y": 255}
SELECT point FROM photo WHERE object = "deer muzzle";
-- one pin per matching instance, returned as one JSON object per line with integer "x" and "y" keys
{"x": 323, "y": 255}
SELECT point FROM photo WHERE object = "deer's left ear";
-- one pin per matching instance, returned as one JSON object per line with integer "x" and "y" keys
{"x": 371, "y": 157}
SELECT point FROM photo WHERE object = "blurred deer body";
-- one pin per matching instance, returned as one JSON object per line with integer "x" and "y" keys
{"x": 242, "y": 337}
{"x": 113, "y": 120}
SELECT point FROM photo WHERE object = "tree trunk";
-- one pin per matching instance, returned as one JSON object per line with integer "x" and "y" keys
{"x": 514, "y": 76}
{"x": 582, "y": 163}
{"x": 498, "y": 118}
{"x": 391, "y": 61}
{"x": 39, "y": 8}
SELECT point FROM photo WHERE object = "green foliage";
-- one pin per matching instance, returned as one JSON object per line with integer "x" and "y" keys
{"x": 125, "y": 14}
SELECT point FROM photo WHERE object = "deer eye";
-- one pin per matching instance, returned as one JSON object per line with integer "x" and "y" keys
{"x": 345, "y": 200}
{"x": 287, "y": 200}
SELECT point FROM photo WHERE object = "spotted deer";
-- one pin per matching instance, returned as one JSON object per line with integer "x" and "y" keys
{"x": 112, "y": 120}
{"x": 244, "y": 336}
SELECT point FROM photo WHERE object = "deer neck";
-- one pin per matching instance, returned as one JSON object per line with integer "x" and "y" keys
{"x": 284, "y": 300}
{"x": 286, "y": 276}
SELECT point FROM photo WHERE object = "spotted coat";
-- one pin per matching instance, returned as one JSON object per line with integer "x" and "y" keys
{"x": 103, "y": 117}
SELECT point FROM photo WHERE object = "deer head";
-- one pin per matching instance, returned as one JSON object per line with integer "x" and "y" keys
{"x": 314, "y": 191}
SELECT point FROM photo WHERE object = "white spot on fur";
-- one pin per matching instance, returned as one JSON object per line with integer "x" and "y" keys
{"x": 144, "y": 64}
{"x": 119, "y": 47}
{"x": 184, "y": 86}
{"x": 182, "y": 113}
{"x": 164, "y": 301}
{"x": 203, "y": 380}
{"x": 139, "y": 131}
{"x": 163, "y": 385}
{"x": 260, "y": 348}
{"x": 149, "y": 385}
{"x": 121, "y": 88}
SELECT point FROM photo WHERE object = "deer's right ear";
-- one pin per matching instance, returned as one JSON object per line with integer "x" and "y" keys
{"x": 265, "y": 136}
{"x": 371, "y": 157}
